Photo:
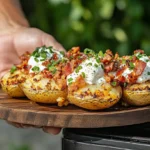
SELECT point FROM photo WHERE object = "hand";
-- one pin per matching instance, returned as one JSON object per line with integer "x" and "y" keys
{"x": 50, "y": 130}
{"x": 21, "y": 40}
{"x": 15, "y": 44}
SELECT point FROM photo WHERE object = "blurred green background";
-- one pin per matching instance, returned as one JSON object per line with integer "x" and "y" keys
{"x": 121, "y": 25}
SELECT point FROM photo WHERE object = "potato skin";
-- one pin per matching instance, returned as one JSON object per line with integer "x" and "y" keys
{"x": 42, "y": 90}
{"x": 137, "y": 94}
{"x": 108, "y": 97}
{"x": 10, "y": 84}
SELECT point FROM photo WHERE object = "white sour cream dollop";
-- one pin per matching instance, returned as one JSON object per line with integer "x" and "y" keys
{"x": 38, "y": 61}
{"x": 90, "y": 69}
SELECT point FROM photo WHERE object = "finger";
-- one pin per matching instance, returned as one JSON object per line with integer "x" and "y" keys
{"x": 48, "y": 40}
{"x": 52, "y": 130}
{"x": 20, "y": 125}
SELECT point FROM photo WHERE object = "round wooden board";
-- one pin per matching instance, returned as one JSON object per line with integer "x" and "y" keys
{"x": 27, "y": 112}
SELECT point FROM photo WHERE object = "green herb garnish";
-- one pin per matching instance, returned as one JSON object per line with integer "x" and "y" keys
{"x": 43, "y": 55}
{"x": 78, "y": 69}
{"x": 98, "y": 60}
{"x": 36, "y": 69}
{"x": 123, "y": 61}
{"x": 148, "y": 73}
{"x": 102, "y": 66}
{"x": 70, "y": 80}
{"x": 83, "y": 74}
{"x": 131, "y": 65}
{"x": 89, "y": 51}
{"x": 96, "y": 65}
{"x": 101, "y": 54}
{"x": 52, "y": 69}
{"x": 114, "y": 83}
{"x": 13, "y": 69}
{"x": 89, "y": 64}
{"x": 36, "y": 59}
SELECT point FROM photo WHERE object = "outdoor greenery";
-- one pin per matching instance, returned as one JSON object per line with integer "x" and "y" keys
{"x": 121, "y": 25}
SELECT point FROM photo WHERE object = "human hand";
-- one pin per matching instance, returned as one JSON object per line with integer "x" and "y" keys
{"x": 50, "y": 130}
{"x": 15, "y": 44}
{"x": 21, "y": 40}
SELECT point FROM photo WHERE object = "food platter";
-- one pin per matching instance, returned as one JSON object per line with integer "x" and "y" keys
{"x": 25, "y": 111}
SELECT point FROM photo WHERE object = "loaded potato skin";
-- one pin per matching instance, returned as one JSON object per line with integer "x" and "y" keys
{"x": 137, "y": 94}
{"x": 134, "y": 75}
{"x": 10, "y": 84}
{"x": 96, "y": 97}
{"x": 46, "y": 80}
{"x": 88, "y": 86}
{"x": 43, "y": 90}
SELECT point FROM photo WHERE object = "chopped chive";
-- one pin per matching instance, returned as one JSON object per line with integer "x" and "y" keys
{"x": 36, "y": 69}
{"x": 102, "y": 66}
{"x": 83, "y": 74}
{"x": 148, "y": 73}
{"x": 123, "y": 61}
{"x": 89, "y": 64}
{"x": 36, "y": 59}
{"x": 131, "y": 65}
{"x": 114, "y": 83}
{"x": 43, "y": 55}
{"x": 78, "y": 69}
{"x": 98, "y": 60}
{"x": 70, "y": 79}
{"x": 89, "y": 51}
{"x": 101, "y": 54}
{"x": 13, "y": 69}
{"x": 96, "y": 65}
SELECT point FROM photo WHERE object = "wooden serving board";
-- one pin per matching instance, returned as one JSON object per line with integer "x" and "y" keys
{"x": 25, "y": 111}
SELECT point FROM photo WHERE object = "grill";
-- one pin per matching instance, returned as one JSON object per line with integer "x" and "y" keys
{"x": 135, "y": 137}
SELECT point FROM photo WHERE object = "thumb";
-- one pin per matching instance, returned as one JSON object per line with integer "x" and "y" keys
{"x": 49, "y": 40}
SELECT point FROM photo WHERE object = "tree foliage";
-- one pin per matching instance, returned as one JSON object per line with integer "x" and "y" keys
{"x": 119, "y": 25}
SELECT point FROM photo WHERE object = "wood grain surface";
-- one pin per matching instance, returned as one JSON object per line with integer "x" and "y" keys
{"x": 27, "y": 112}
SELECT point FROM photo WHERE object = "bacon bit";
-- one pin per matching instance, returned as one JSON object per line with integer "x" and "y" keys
{"x": 55, "y": 57}
{"x": 112, "y": 66}
{"x": 45, "y": 63}
{"x": 75, "y": 50}
{"x": 107, "y": 78}
{"x": 120, "y": 71}
{"x": 67, "y": 69}
{"x": 79, "y": 83}
{"x": 116, "y": 56}
{"x": 47, "y": 74}
{"x": 107, "y": 57}
{"x": 25, "y": 56}
{"x": 139, "y": 67}
{"x": 139, "y": 51}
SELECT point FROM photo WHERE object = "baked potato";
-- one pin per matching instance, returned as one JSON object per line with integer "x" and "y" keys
{"x": 96, "y": 97}
{"x": 43, "y": 90}
{"x": 10, "y": 83}
{"x": 137, "y": 94}
{"x": 88, "y": 88}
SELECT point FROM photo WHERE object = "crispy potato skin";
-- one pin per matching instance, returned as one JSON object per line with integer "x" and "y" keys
{"x": 42, "y": 90}
{"x": 10, "y": 84}
{"x": 137, "y": 94}
{"x": 108, "y": 97}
